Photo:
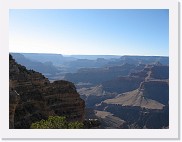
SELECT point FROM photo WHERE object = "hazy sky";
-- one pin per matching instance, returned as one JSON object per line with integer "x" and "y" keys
{"x": 90, "y": 32}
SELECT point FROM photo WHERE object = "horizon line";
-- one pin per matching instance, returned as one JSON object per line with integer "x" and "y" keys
{"x": 86, "y": 54}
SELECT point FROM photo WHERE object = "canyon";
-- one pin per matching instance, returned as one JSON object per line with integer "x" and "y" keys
{"x": 120, "y": 92}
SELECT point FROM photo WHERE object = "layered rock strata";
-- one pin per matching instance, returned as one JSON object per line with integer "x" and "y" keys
{"x": 32, "y": 98}
{"x": 145, "y": 107}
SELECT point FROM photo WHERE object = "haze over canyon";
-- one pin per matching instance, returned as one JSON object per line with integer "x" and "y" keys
{"x": 114, "y": 92}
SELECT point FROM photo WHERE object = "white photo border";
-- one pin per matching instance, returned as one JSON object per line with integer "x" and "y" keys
{"x": 171, "y": 133}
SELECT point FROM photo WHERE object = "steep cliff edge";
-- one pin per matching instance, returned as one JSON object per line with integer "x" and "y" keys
{"x": 32, "y": 98}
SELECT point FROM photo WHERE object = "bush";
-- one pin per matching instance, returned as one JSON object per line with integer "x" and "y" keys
{"x": 75, "y": 125}
{"x": 56, "y": 122}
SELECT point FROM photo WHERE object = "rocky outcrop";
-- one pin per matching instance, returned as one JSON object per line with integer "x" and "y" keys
{"x": 142, "y": 101}
{"x": 94, "y": 95}
{"x": 145, "y": 107}
{"x": 32, "y": 97}
{"x": 148, "y": 105}
{"x": 62, "y": 97}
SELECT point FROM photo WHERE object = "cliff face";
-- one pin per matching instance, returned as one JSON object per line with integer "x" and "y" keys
{"x": 148, "y": 105}
{"x": 94, "y": 95}
{"x": 137, "y": 117}
{"x": 96, "y": 76}
{"x": 32, "y": 97}
{"x": 122, "y": 84}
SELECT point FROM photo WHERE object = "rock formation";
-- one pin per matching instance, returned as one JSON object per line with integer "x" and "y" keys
{"x": 138, "y": 100}
{"x": 94, "y": 95}
{"x": 96, "y": 76}
{"x": 32, "y": 98}
{"x": 146, "y": 106}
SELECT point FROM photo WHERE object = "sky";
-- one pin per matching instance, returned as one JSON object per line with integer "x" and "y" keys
{"x": 90, "y": 32}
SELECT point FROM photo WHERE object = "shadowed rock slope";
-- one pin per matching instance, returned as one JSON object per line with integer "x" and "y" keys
{"x": 139, "y": 100}
{"x": 96, "y": 76}
{"x": 147, "y": 106}
{"x": 94, "y": 95}
{"x": 145, "y": 96}
{"x": 32, "y": 98}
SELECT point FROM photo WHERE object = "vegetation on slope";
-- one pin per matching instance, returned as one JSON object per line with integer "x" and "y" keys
{"x": 56, "y": 122}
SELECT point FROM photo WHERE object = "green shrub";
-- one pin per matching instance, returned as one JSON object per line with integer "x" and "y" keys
{"x": 75, "y": 125}
{"x": 56, "y": 122}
